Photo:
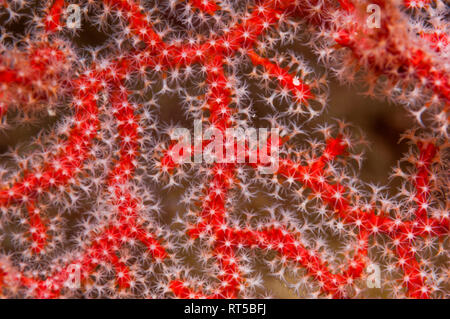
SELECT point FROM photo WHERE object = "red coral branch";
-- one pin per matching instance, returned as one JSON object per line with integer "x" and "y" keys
{"x": 213, "y": 53}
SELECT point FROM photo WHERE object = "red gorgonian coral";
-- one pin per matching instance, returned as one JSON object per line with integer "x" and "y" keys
{"x": 80, "y": 215}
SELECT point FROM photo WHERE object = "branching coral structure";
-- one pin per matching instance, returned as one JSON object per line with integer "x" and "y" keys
{"x": 80, "y": 203}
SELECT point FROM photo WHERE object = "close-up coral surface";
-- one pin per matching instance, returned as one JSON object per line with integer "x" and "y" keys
{"x": 118, "y": 178}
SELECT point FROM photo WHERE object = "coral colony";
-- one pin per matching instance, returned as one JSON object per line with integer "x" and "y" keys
{"x": 81, "y": 213}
